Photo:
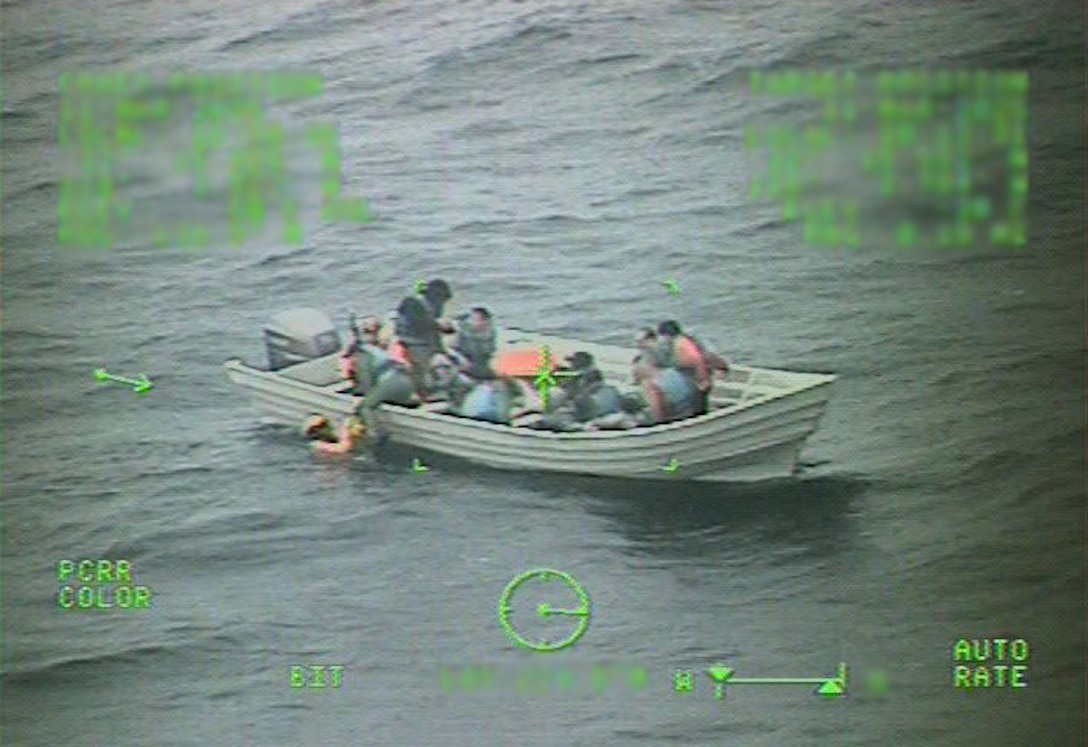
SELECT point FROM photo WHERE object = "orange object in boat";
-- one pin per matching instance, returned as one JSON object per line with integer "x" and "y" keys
{"x": 521, "y": 362}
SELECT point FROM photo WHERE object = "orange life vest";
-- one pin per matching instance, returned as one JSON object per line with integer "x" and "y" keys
{"x": 399, "y": 353}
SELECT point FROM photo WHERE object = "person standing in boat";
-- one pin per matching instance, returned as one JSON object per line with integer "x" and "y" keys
{"x": 379, "y": 378}
{"x": 681, "y": 352}
{"x": 420, "y": 327}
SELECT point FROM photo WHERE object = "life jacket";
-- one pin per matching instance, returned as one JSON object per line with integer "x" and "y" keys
{"x": 417, "y": 323}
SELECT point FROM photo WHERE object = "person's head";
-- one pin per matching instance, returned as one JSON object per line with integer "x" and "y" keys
{"x": 479, "y": 318}
{"x": 646, "y": 337}
{"x": 438, "y": 292}
{"x": 370, "y": 328}
{"x": 669, "y": 328}
{"x": 318, "y": 428}
{"x": 580, "y": 361}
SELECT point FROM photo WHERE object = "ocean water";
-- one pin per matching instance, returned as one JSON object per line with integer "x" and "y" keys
{"x": 556, "y": 160}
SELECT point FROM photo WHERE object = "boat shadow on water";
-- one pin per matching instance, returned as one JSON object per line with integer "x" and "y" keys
{"x": 811, "y": 513}
{"x": 811, "y": 516}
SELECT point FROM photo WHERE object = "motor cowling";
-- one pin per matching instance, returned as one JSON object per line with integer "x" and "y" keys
{"x": 299, "y": 335}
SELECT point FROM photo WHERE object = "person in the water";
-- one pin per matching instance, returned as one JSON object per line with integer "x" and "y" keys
{"x": 327, "y": 439}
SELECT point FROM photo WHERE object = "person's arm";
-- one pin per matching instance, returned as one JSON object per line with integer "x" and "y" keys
{"x": 714, "y": 359}
{"x": 344, "y": 445}
{"x": 717, "y": 362}
{"x": 347, "y": 366}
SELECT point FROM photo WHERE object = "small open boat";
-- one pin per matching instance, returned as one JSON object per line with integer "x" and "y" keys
{"x": 756, "y": 427}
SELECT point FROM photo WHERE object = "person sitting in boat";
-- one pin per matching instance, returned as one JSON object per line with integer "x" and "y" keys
{"x": 325, "y": 439}
{"x": 448, "y": 381}
{"x": 680, "y": 352}
{"x": 669, "y": 394}
{"x": 596, "y": 399}
{"x": 492, "y": 400}
{"x": 582, "y": 369}
{"x": 573, "y": 402}
{"x": 476, "y": 342}
{"x": 419, "y": 330}
{"x": 650, "y": 352}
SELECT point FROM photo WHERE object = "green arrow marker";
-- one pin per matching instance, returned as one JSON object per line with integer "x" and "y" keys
{"x": 420, "y": 286}
{"x": 140, "y": 385}
{"x": 831, "y": 689}
{"x": 545, "y": 379}
{"x": 672, "y": 466}
{"x": 672, "y": 287}
{"x": 418, "y": 466}
{"x": 720, "y": 674}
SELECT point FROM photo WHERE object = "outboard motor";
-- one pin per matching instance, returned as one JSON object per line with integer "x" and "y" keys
{"x": 299, "y": 335}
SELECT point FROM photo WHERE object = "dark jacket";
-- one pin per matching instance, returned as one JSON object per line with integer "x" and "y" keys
{"x": 417, "y": 323}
